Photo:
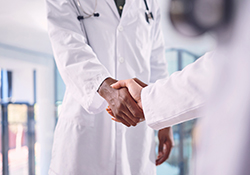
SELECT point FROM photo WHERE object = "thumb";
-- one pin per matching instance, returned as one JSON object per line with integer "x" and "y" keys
{"x": 119, "y": 84}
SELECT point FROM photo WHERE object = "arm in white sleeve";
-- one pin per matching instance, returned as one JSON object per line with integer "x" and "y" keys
{"x": 179, "y": 97}
{"x": 158, "y": 63}
{"x": 78, "y": 65}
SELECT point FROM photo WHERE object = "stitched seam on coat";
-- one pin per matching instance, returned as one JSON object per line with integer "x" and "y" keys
{"x": 183, "y": 112}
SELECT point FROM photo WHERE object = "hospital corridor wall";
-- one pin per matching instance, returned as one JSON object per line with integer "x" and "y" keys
{"x": 27, "y": 110}
{"x": 34, "y": 85}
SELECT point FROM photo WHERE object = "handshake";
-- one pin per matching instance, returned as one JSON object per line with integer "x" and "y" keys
{"x": 124, "y": 99}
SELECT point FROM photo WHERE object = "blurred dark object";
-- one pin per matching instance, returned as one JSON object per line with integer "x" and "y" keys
{"x": 195, "y": 17}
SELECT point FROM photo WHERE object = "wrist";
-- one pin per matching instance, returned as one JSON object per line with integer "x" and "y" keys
{"x": 105, "y": 90}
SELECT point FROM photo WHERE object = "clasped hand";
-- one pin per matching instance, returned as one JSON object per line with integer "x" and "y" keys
{"x": 134, "y": 87}
{"x": 124, "y": 98}
{"x": 123, "y": 106}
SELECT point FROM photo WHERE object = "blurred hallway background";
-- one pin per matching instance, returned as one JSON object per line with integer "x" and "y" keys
{"x": 31, "y": 89}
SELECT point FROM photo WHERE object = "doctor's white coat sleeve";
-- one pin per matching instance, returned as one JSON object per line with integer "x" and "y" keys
{"x": 158, "y": 62}
{"x": 77, "y": 63}
{"x": 180, "y": 97}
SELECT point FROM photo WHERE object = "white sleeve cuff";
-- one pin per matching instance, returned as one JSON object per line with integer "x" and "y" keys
{"x": 91, "y": 101}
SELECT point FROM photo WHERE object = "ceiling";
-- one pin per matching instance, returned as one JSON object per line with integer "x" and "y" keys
{"x": 23, "y": 25}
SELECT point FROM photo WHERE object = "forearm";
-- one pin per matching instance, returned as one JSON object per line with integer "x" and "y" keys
{"x": 180, "y": 97}
{"x": 80, "y": 69}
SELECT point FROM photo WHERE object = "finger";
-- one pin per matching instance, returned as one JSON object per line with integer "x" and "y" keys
{"x": 135, "y": 110}
{"x": 141, "y": 120}
{"x": 116, "y": 120}
{"x": 119, "y": 84}
{"x": 121, "y": 119}
{"x": 131, "y": 116}
{"x": 126, "y": 115}
{"x": 108, "y": 110}
{"x": 164, "y": 154}
{"x": 168, "y": 149}
{"x": 110, "y": 113}
{"x": 124, "y": 122}
{"x": 161, "y": 155}
{"x": 160, "y": 147}
{"x": 136, "y": 120}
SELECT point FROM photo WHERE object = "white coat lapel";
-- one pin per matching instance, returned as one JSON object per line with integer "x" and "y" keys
{"x": 127, "y": 6}
{"x": 113, "y": 7}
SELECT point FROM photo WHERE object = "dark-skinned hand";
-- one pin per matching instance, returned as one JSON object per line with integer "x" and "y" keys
{"x": 140, "y": 83}
{"x": 123, "y": 106}
{"x": 166, "y": 142}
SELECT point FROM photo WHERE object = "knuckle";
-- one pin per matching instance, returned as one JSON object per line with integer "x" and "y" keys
{"x": 119, "y": 106}
{"x": 123, "y": 98}
{"x": 137, "y": 120}
{"x": 117, "y": 115}
{"x": 120, "y": 117}
{"x": 120, "y": 114}
{"x": 138, "y": 114}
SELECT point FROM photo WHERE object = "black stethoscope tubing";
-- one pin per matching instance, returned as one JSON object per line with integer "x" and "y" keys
{"x": 148, "y": 14}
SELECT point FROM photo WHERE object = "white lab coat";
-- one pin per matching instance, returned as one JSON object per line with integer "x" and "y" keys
{"x": 181, "y": 96}
{"x": 223, "y": 147}
{"x": 86, "y": 140}
{"x": 221, "y": 80}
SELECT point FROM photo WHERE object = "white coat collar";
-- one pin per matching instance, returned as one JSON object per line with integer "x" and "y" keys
{"x": 127, "y": 7}
{"x": 114, "y": 8}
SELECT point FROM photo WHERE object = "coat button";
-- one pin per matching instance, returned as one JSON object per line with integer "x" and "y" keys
{"x": 120, "y": 28}
{"x": 121, "y": 60}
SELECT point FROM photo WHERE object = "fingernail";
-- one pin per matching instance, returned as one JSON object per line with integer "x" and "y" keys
{"x": 114, "y": 119}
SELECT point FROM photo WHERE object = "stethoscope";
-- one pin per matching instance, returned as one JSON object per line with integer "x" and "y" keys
{"x": 148, "y": 13}
{"x": 88, "y": 15}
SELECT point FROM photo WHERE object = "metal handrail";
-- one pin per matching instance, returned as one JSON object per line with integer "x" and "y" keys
{"x": 183, "y": 51}
{"x": 180, "y": 56}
